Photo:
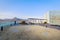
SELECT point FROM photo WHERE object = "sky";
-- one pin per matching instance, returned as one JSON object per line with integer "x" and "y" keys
{"x": 27, "y": 8}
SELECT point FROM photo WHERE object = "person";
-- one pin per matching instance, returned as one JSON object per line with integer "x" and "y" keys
{"x": 1, "y": 28}
{"x": 14, "y": 22}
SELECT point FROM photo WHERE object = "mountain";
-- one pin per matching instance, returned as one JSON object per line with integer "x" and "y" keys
{"x": 10, "y": 20}
{"x": 16, "y": 19}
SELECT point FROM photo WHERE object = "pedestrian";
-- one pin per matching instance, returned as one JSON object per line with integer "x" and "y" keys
{"x": 14, "y": 22}
{"x": 1, "y": 28}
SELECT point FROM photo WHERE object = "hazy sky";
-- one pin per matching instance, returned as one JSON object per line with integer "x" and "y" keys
{"x": 27, "y": 8}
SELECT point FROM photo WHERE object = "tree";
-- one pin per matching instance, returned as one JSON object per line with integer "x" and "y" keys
{"x": 23, "y": 22}
{"x": 45, "y": 24}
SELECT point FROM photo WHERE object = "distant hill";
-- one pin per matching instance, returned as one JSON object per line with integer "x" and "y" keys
{"x": 15, "y": 19}
{"x": 1, "y": 20}
{"x": 10, "y": 20}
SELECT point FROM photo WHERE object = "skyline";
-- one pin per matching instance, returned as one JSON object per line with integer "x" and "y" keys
{"x": 27, "y": 8}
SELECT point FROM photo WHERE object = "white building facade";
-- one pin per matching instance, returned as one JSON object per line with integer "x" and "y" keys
{"x": 36, "y": 20}
{"x": 53, "y": 17}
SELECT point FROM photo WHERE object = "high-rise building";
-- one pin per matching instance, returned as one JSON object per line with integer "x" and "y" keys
{"x": 53, "y": 17}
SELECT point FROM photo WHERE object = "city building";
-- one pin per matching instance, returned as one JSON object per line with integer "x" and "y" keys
{"x": 36, "y": 20}
{"x": 53, "y": 17}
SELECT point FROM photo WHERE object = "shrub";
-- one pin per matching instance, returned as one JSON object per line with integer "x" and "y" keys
{"x": 23, "y": 22}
